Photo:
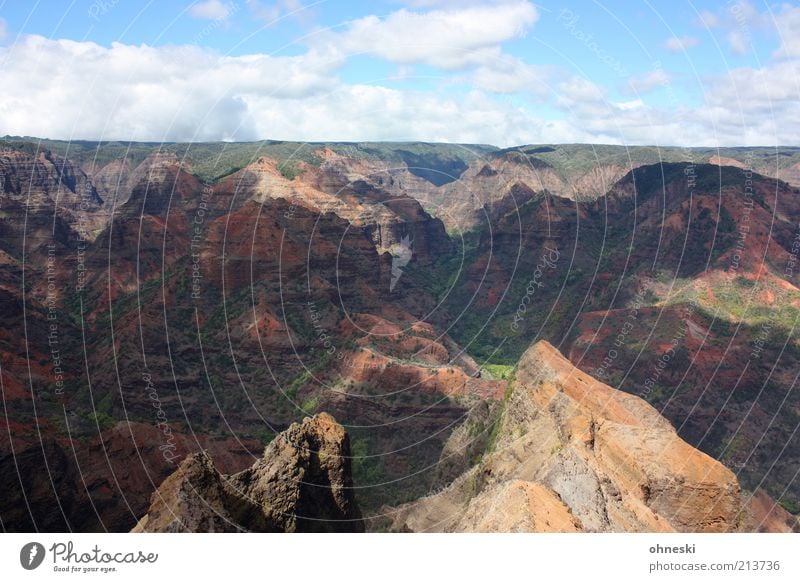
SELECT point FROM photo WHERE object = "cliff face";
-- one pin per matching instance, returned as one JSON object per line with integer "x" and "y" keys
{"x": 302, "y": 483}
{"x": 45, "y": 178}
{"x": 572, "y": 454}
{"x": 363, "y": 194}
{"x": 45, "y": 199}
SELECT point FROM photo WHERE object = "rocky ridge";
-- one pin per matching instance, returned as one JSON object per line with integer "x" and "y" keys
{"x": 572, "y": 454}
{"x": 302, "y": 483}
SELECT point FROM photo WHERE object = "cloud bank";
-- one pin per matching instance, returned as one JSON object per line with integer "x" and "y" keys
{"x": 81, "y": 90}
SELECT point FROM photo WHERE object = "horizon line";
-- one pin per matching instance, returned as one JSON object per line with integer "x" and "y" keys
{"x": 387, "y": 141}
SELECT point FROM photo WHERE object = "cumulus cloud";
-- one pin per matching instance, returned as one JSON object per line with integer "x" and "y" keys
{"x": 271, "y": 12}
{"x": 72, "y": 90}
{"x": 756, "y": 106}
{"x": 360, "y": 112}
{"x": 579, "y": 92}
{"x": 68, "y": 88}
{"x": 739, "y": 41}
{"x": 629, "y": 105}
{"x": 210, "y": 10}
{"x": 787, "y": 23}
{"x": 708, "y": 19}
{"x": 447, "y": 38}
{"x": 741, "y": 21}
{"x": 645, "y": 83}
{"x": 507, "y": 74}
{"x": 678, "y": 44}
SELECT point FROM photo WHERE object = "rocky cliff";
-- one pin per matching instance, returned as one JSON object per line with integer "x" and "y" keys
{"x": 572, "y": 454}
{"x": 302, "y": 483}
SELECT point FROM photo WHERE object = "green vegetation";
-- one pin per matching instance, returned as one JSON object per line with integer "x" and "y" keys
{"x": 491, "y": 441}
{"x": 791, "y": 506}
{"x": 266, "y": 435}
{"x": 300, "y": 381}
{"x": 500, "y": 371}
{"x": 310, "y": 405}
{"x": 290, "y": 169}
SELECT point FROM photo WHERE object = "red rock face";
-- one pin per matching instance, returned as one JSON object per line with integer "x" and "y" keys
{"x": 212, "y": 316}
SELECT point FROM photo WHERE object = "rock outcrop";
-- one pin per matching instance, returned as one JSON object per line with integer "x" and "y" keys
{"x": 573, "y": 454}
{"x": 302, "y": 483}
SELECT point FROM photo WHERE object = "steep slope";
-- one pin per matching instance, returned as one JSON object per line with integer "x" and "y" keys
{"x": 214, "y": 316}
{"x": 302, "y": 483}
{"x": 680, "y": 287}
{"x": 572, "y": 454}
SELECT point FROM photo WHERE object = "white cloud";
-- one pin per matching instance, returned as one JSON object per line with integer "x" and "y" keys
{"x": 362, "y": 112}
{"x": 739, "y": 41}
{"x": 649, "y": 81}
{"x": 448, "y": 38}
{"x": 708, "y": 19}
{"x": 629, "y": 105}
{"x": 741, "y": 21}
{"x": 755, "y": 106}
{"x": 579, "y": 91}
{"x": 507, "y": 74}
{"x": 450, "y": 3}
{"x": 271, "y": 12}
{"x": 72, "y": 90}
{"x": 678, "y": 44}
{"x": 788, "y": 27}
{"x": 66, "y": 88}
{"x": 210, "y": 10}
{"x": 749, "y": 90}
{"x": 3, "y": 30}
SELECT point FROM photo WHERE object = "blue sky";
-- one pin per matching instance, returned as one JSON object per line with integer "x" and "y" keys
{"x": 503, "y": 71}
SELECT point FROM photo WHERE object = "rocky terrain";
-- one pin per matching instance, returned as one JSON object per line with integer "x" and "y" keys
{"x": 572, "y": 454}
{"x": 187, "y": 303}
{"x": 302, "y": 483}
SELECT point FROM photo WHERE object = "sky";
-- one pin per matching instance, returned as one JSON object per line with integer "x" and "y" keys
{"x": 501, "y": 72}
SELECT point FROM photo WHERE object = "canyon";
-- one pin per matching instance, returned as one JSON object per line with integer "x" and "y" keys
{"x": 172, "y": 313}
